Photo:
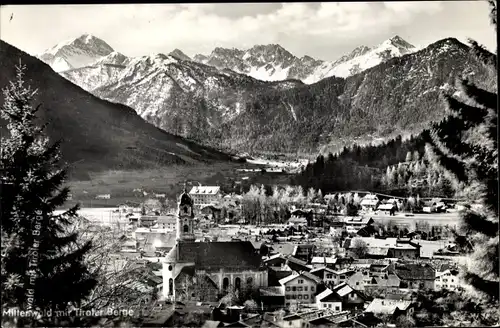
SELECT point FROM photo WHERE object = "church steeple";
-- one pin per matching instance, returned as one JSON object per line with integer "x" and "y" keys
{"x": 185, "y": 218}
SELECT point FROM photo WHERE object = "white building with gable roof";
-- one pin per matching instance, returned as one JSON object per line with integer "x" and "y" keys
{"x": 205, "y": 195}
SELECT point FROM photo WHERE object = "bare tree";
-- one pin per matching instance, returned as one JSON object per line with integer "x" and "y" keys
{"x": 117, "y": 278}
{"x": 359, "y": 248}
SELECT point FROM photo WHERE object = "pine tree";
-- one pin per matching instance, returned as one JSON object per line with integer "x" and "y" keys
{"x": 42, "y": 263}
{"x": 464, "y": 145}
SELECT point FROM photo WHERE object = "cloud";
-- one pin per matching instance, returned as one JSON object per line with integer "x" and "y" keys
{"x": 322, "y": 30}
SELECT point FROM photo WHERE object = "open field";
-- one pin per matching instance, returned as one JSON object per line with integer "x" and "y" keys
{"x": 170, "y": 180}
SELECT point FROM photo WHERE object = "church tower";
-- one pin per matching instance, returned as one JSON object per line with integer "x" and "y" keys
{"x": 185, "y": 218}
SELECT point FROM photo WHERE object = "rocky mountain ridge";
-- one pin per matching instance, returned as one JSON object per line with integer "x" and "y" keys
{"x": 97, "y": 134}
{"x": 222, "y": 108}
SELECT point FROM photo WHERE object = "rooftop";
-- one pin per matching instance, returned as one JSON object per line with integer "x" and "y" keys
{"x": 415, "y": 271}
{"x": 386, "y": 306}
{"x": 216, "y": 255}
{"x": 205, "y": 190}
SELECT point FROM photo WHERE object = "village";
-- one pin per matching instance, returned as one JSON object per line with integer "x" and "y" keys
{"x": 342, "y": 260}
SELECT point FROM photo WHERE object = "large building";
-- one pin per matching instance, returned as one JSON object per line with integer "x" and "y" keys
{"x": 205, "y": 195}
{"x": 204, "y": 271}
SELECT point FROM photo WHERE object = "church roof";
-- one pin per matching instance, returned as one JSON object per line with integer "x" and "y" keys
{"x": 216, "y": 255}
{"x": 185, "y": 199}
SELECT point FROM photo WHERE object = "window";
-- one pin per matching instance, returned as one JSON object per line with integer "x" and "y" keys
{"x": 237, "y": 283}
{"x": 299, "y": 289}
{"x": 306, "y": 297}
{"x": 299, "y": 297}
{"x": 342, "y": 277}
{"x": 288, "y": 296}
{"x": 312, "y": 288}
{"x": 186, "y": 228}
{"x": 300, "y": 281}
{"x": 305, "y": 288}
{"x": 325, "y": 306}
{"x": 329, "y": 276}
{"x": 337, "y": 308}
{"x": 249, "y": 280}
{"x": 287, "y": 303}
{"x": 357, "y": 283}
{"x": 225, "y": 283}
{"x": 294, "y": 288}
{"x": 445, "y": 280}
{"x": 329, "y": 306}
{"x": 170, "y": 286}
{"x": 294, "y": 297}
{"x": 288, "y": 289}
{"x": 290, "y": 323}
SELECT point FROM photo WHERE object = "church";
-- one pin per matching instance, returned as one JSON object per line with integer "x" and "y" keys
{"x": 205, "y": 271}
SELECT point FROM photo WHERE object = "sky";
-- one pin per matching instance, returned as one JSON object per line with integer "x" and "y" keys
{"x": 324, "y": 30}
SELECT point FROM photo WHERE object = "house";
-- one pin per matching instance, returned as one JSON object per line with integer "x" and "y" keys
{"x": 369, "y": 202}
{"x": 293, "y": 320}
{"x": 299, "y": 288}
{"x": 328, "y": 299}
{"x": 297, "y": 221}
{"x": 447, "y": 279}
{"x": 381, "y": 248}
{"x": 276, "y": 273}
{"x": 129, "y": 245}
{"x": 213, "y": 212}
{"x": 415, "y": 276}
{"x": 297, "y": 265}
{"x": 301, "y": 216}
{"x": 388, "y": 206}
{"x": 367, "y": 231}
{"x": 275, "y": 260}
{"x": 168, "y": 222}
{"x": 103, "y": 196}
{"x": 205, "y": 195}
{"x": 272, "y": 297}
{"x": 393, "y": 308}
{"x": 304, "y": 252}
{"x": 359, "y": 279}
{"x": 353, "y": 224}
{"x": 351, "y": 298}
{"x": 383, "y": 284}
{"x": 403, "y": 250}
{"x": 323, "y": 261}
{"x": 147, "y": 221}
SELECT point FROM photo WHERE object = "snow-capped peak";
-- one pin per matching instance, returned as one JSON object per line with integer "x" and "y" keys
{"x": 77, "y": 52}
{"x": 114, "y": 58}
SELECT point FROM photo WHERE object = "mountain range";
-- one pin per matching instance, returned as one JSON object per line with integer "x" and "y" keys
{"x": 274, "y": 63}
{"x": 97, "y": 134}
{"x": 367, "y": 95}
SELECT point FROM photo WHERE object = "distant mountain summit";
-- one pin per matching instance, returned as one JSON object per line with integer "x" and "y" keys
{"x": 274, "y": 63}
{"x": 76, "y": 53}
{"x": 179, "y": 54}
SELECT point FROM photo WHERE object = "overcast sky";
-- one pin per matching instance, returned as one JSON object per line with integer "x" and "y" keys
{"x": 321, "y": 30}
